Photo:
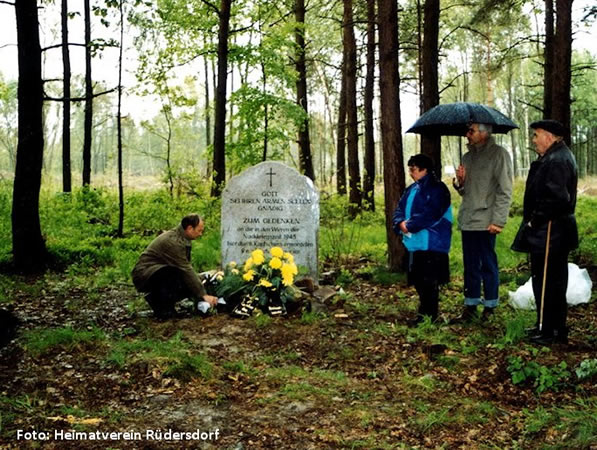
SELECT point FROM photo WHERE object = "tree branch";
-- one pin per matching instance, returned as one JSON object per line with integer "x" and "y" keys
{"x": 78, "y": 99}
{"x": 73, "y": 44}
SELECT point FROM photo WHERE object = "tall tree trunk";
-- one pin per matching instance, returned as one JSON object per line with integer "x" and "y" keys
{"x": 431, "y": 144}
{"x": 219, "y": 165}
{"x": 207, "y": 113}
{"x": 562, "y": 65}
{"x": 66, "y": 174}
{"x": 341, "y": 138}
{"x": 119, "y": 125}
{"x": 391, "y": 130}
{"x": 265, "y": 112}
{"x": 28, "y": 246}
{"x": 350, "y": 50}
{"x": 548, "y": 56}
{"x": 304, "y": 141}
{"x": 88, "y": 99}
{"x": 369, "y": 159}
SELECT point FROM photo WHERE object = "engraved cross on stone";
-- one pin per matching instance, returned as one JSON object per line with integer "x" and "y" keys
{"x": 271, "y": 173}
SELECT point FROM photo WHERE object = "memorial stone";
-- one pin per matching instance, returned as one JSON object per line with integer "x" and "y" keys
{"x": 268, "y": 205}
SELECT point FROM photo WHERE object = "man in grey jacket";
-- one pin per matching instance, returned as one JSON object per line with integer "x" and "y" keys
{"x": 484, "y": 180}
{"x": 164, "y": 271}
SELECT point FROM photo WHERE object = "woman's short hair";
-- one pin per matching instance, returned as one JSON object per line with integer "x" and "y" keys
{"x": 421, "y": 161}
{"x": 190, "y": 220}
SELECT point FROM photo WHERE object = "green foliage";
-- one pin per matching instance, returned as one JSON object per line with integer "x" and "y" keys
{"x": 342, "y": 237}
{"x": 586, "y": 369}
{"x": 543, "y": 377}
{"x": 515, "y": 331}
{"x": 345, "y": 278}
{"x": 43, "y": 340}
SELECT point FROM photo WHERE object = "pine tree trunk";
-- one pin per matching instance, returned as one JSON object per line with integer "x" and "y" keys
{"x": 391, "y": 130}
{"x": 304, "y": 140}
{"x": 341, "y": 138}
{"x": 548, "y": 60}
{"x": 369, "y": 159}
{"x": 219, "y": 161}
{"x": 119, "y": 125}
{"x": 431, "y": 144}
{"x": 350, "y": 50}
{"x": 28, "y": 246}
{"x": 66, "y": 173}
{"x": 88, "y": 120}
{"x": 562, "y": 65}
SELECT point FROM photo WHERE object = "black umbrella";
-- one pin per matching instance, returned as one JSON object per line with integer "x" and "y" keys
{"x": 453, "y": 119}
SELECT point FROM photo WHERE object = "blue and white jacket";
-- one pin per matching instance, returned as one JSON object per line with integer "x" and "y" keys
{"x": 425, "y": 205}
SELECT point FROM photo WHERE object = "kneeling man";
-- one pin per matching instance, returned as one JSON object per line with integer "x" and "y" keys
{"x": 164, "y": 271}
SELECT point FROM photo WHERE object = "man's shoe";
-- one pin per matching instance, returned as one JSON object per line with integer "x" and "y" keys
{"x": 486, "y": 314}
{"x": 467, "y": 316}
{"x": 558, "y": 336}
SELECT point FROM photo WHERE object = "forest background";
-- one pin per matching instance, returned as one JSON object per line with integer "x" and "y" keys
{"x": 117, "y": 142}
{"x": 198, "y": 91}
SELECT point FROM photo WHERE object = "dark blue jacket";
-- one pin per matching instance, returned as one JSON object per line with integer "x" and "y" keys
{"x": 429, "y": 220}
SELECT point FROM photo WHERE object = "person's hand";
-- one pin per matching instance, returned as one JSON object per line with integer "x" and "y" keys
{"x": 494, "y": 229}
{"x": 213, "y": 301}
{"x": 460, "y": 175}
{"x": 403, "y": 227}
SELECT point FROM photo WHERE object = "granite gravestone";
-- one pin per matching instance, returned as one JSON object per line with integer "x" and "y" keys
{"x": 268, "y": 205}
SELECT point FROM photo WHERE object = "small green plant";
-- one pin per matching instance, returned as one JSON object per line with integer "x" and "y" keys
{"x": 311, "y": 317}
{"x": 262, "y": 321}
{"x": 543, "y": 377}
{"x": 345, "y": 278}
{"x": 587, "y": 369}
{"x": 514, "y": 332}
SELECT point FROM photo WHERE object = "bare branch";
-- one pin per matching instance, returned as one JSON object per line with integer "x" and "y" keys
{"x": 77, "y": 99}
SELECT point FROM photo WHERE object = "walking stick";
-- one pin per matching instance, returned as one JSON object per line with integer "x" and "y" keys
{"x": 544, "y": 275}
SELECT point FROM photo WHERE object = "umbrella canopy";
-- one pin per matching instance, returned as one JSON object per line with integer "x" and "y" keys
{"x": 453, "y": 119}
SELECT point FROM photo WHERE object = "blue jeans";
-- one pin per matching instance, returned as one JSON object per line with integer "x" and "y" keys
{"x": 480, "y": 265}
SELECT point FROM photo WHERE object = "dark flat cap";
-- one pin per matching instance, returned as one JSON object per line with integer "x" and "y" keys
{"x": 553, "y": 126}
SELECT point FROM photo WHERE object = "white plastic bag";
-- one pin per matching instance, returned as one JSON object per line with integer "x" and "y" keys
{"x": 579, "y": 290}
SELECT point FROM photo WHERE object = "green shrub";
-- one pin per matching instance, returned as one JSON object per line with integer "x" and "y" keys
{"x": 543, "y": 377}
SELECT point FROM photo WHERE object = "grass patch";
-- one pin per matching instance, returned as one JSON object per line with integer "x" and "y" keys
{"x": 174, "y": 355}
{"x": 41, "y": 341}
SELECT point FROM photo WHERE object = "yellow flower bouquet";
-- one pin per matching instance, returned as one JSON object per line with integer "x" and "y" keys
{"x": 264, "y": 280}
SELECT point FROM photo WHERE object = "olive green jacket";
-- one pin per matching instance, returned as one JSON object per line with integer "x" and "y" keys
{"x": 487, "y": 190}
{"x": 171, "y": 248}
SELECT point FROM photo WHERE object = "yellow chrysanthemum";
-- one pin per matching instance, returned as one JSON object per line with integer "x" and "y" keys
{"x": 294, "y": 268}
{"x": 248, "y": 276}
{"x": 248, "y": 263}
{"x": 288, "y": 257}
{"x": 232, "y": 263}
{"x": 287, "y": 274}
{"x": 263, "y": 282}
{"x": 275, "y": 263}
{"x": 277, "y": 252}
{"x": 257, "y": 256}
{"x": 235, "y": 271}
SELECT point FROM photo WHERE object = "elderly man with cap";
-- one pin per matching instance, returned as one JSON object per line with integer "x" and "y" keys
{"x": 548, "y": 230}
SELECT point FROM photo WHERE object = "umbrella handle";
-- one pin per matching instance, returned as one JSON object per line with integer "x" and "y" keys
{"x": 544, "y": 275}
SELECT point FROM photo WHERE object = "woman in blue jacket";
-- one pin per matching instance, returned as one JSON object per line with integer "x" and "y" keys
{"x": 424, "y": 219}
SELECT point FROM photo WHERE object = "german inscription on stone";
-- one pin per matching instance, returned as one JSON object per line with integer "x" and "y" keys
{"x": 268, "y": 205}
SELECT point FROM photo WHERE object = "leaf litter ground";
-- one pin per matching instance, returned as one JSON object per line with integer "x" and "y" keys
{"x": 354, "y": 376}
